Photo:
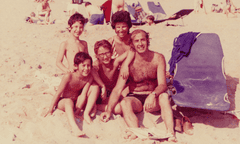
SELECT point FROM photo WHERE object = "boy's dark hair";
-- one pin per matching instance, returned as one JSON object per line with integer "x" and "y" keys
{"x": 150, "y": 17}
{"x": 87, "y": 3}
{"x": 104, "y": 43}
{"x": 80, "y": 57}
{"x": 121, "y": 16}
{"x": 76, "y": 17}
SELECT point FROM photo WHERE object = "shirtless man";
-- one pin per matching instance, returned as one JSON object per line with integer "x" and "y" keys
{"x": 117, "y": 5}
{"x": 147, "y": 87}
{"x": 43, "y": 9}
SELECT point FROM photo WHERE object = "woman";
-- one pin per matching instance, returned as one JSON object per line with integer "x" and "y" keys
{"x": 121, "y": 23}
{"x": 228, "y": 7}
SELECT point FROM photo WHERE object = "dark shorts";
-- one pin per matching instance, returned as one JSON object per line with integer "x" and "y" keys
{"x": 96, "y": 19}
{"x": 141, "y": 97}
{"x": 99, "y": 100}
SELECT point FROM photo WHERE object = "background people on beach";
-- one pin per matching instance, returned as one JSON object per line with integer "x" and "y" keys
{"x": 150, "y": 21}
{"x": 229, "y": 8}
{"x": 117, "y": 5}
{"x": 199, "y": 4}
{"x": 43, "y": 9}
{"x": 75, "y": 91}
{"x": 147, "y": 86}
{"x": 95, "y": 15}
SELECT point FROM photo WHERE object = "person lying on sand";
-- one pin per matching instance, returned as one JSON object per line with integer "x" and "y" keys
{"x": 35, "y": 20}
{"x": 75, "y": 91}
{"x": 147, "y": 86}
{"x": 73, "y": 45}
{"x": 94, "y": 13}
{"x": 43, "y": 9}
{"x": 108, "y": 68}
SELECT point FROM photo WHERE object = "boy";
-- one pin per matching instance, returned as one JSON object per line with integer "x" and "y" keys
{"x": 74, "y": 90}
{"x": 150, "y": 20}
{"x": 74, "y": 45}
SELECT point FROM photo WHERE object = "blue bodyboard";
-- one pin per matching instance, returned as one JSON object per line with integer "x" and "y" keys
{"x": 199, "y": 79}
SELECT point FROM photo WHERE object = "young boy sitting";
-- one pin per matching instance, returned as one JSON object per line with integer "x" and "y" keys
{"x": 43, "y": 9}
{"x": 75, "y": 91}
{"x": 150, "y": 20}
{"x": 73, "y": 45}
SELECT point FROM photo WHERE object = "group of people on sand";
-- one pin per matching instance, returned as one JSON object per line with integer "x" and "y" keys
{"x": 225, "y": 7}
{"x": 126, "y": 78}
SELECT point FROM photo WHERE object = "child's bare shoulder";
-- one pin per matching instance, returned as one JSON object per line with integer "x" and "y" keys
{"x": 64, "y": 44}
{"x": 83, "y": 42}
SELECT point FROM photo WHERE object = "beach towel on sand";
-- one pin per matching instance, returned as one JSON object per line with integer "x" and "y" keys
{"x": 199, "y": 78}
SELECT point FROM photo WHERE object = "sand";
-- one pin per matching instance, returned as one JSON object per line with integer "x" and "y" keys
{"x": 28, "y": 53}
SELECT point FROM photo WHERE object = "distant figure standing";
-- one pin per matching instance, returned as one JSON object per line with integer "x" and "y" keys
{"x": 228, "y": 7}
{"x": 107, "y": 8}
{"x": 43, "y": 9}
{"x": 117, "y": 5}
{"x": 199, "y": 4}
{"x": 94, "y": 13}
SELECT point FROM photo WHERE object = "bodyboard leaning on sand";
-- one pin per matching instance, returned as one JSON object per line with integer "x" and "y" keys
{"x": 199, "y": 79}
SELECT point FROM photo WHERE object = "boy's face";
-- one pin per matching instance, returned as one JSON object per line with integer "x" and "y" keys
{"x": 121, "y": 29}
{"x": 140, "y": 42}
{"x": 85, "y": 67}
{"x": 149, "y": 21}
{"x": 104, "y": 55}
{"x": 76, "y": 29}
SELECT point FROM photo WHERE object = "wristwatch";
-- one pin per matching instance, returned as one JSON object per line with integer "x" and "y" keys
{"x": 154, "y": 93}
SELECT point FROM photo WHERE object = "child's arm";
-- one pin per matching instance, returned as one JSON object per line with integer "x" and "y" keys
{"x": 60, "y": 90}
{"x": 100, "y": 83}
{"x": 61, "y": 53}
{"x": 128, "y": 57}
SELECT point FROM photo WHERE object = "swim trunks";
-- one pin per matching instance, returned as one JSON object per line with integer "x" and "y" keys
{"x": 99, "y": 99}
{"x": 96, "y": 19}
{"x": 141, "y": 97}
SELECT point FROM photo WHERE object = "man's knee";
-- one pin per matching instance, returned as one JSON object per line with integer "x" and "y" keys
{"x": 163, "y": 98}
{"x": 68, "y": 103}
{"x": 125, "y": 103}
{"x": 93, "y": 88}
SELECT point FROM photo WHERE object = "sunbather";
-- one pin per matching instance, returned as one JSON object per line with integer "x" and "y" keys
{"x": 43, "y": 9}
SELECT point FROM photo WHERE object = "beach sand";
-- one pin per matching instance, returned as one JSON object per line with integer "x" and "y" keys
{"x": 27, "y": 68}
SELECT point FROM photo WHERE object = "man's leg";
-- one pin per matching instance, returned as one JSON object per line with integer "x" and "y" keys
{"x": 92, "y": 95}
{"x": 167, "y": 115}
{"x": 67, "y": 106}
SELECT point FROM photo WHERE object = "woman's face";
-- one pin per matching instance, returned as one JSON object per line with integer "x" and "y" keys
{"x": 121, "y": 29}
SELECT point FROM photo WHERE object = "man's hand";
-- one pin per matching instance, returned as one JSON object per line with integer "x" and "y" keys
{"x": 124, "y": 72}
{"x": 150, "y": 103}
{"x": 105, "y": 116}
{"x": 103, "y": 93}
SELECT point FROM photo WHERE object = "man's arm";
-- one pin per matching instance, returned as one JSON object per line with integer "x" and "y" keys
{"x": 162, "y": 85}
{"x": 161, "y": 76}
{"x": 114, "y": 97}
{"x": 61, "y": 53}
{"x": 125, "y": 65}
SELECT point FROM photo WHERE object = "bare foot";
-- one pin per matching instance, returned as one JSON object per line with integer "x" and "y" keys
{"x": 87, "y": 119}
{"x": 129, "y": 135}
{"x": 94, "y": 111}
{"x": 172, "y": 137}
{"x": 77, "y": 132}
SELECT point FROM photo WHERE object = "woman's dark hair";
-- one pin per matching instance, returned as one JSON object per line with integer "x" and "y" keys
{"x": 104, "y": 43}
{"x": 81, "y": 57}
{"x": 121, "y": 16}
{"x": 77, "y": 17}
